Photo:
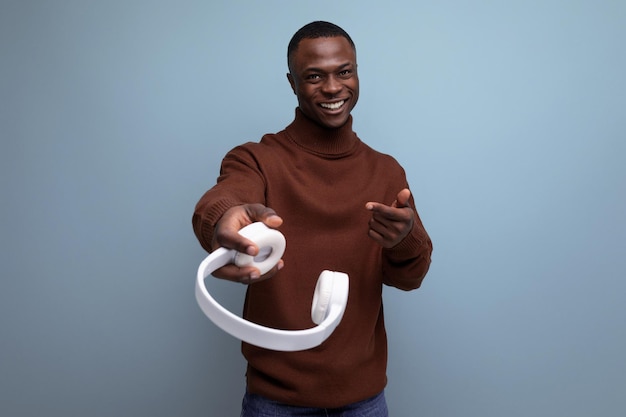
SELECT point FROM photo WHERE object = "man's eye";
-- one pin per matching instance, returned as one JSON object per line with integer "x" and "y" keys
{"x": 345, "y": 73}
{"x": 313, "y": 77}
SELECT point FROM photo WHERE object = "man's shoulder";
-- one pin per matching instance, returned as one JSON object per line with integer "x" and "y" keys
{"x": 269, "y": 143}
{"x": 380, "y": 155}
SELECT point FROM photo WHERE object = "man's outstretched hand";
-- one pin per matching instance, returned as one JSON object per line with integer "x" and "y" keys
{"x": 227, "y": 235}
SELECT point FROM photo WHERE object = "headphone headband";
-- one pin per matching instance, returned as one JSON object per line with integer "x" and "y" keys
{"x": 326, "y": 311}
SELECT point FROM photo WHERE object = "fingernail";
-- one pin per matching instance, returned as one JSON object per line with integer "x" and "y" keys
{"x": 254, "y": 275}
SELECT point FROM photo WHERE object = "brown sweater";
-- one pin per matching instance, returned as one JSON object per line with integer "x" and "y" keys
{"x": 318, "y": 180}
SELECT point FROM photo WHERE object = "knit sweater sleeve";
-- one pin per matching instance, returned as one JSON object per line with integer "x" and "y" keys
{"x": 406, "y": 264}
{"x": 240, "y": 182}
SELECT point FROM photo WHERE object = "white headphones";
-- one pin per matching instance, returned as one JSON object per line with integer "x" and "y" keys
{"x": 329, "y": 300}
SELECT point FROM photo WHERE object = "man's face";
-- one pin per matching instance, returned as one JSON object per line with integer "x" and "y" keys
{"x": 324, "y": 78}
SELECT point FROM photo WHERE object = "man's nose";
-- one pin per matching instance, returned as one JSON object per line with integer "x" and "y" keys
{"x": 331, "y": 86}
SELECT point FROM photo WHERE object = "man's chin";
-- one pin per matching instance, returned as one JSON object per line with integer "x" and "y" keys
{"x": 333, "y": 121}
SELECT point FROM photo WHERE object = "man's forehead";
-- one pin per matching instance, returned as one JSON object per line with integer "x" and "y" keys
{"x": 321, "y": 43}
{"x": 332, "y": 51}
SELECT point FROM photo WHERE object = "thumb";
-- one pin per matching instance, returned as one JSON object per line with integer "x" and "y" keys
{"x": 402, "y": 200}
{"x": 261, "y": 213}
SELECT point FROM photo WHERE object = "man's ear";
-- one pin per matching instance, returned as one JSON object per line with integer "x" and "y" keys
{"x": 292, "y": 83}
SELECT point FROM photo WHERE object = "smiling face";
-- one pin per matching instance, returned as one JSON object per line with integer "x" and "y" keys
{"x": 323, "y": 76}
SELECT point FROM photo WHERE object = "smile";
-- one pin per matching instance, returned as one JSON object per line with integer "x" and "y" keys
{"x": 333, "y": 106}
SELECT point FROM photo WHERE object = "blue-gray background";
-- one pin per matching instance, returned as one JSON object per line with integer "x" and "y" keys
{"x": 509, "y": 116}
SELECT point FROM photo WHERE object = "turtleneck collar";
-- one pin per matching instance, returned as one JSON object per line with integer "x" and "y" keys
{"x": 321, "y": 140}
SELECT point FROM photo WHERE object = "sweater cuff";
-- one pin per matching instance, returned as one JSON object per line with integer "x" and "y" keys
{"x": 208, "y": 218}
{"x": 410, "y": 247}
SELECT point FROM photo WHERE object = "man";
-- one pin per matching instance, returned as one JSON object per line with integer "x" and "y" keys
{"x": 342, "y": 206}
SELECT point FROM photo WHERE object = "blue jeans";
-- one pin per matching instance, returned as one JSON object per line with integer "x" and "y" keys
{"x": 258, "y": 406}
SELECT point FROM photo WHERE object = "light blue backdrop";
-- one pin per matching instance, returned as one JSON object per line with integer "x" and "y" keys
{"x": 509, "y": 116}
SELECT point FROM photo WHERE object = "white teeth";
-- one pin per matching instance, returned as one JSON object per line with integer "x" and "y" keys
{"x": 332, "y": 106}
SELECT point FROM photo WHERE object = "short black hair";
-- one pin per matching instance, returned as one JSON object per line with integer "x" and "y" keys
{"x": 313, "y": 30}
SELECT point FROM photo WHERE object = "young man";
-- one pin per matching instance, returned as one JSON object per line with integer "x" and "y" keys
{"x": 342, "y": 206}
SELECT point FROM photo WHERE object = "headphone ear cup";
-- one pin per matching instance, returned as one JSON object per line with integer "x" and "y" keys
{"x": 322, "y": 296}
